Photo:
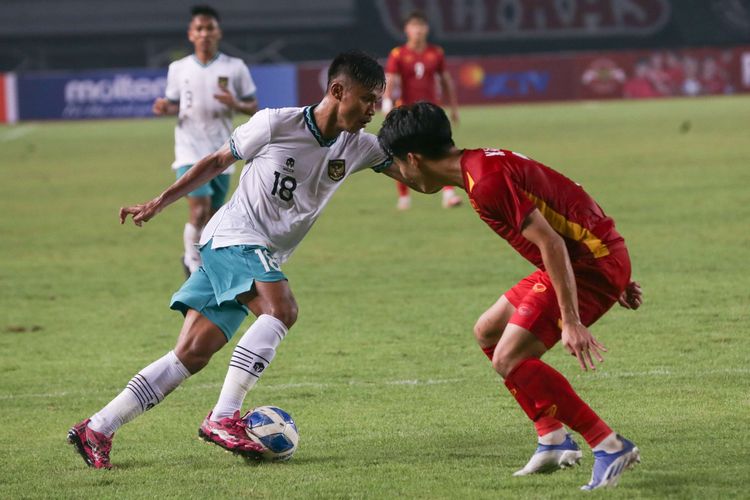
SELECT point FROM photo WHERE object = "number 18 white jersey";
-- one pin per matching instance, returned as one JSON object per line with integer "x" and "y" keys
{"x": 291, "y": 174}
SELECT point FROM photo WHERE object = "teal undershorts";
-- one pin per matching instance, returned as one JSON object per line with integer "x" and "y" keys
{"x": 217, "y": 188}
{"x": 226, "y": 273}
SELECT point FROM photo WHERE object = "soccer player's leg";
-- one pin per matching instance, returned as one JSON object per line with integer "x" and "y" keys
{"x": 247, "y": 278}
{"x": 199, "y": 211}
{"x": 199, "y": 339}
{"x": 542, "y": 391}
{"x": 404, "y": 199}
{"x": 451, "y": 199}
{"x": 554, "y": 451}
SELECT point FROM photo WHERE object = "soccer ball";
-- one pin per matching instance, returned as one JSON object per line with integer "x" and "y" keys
{"x": 273, "y": 428}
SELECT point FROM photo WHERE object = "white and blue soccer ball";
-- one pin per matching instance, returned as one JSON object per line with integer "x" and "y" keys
{"x": 275, "y": 429}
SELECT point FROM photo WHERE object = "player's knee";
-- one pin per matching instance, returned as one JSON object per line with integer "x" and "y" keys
{"x": 193, "y": 357}
{"x": 504, "y": 361}
{"x": 286, "y": 313}
{"x": 199, "y": 214}
{"x": 485, "y": 333}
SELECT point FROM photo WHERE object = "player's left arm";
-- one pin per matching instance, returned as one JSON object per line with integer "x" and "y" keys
{"x": 247, "y": 106}
{"x": 576, "y": 338}
{"x": 200, "y": 173}
{"x": 244, "y": 87}
{"x": 448, "y": 88}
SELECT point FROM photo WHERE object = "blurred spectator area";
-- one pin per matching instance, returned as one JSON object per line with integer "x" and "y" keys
{"x": 81, "y": 34}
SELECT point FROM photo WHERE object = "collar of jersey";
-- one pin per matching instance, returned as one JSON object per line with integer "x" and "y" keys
{"x": 199, "y": 63}
{"x": 313, "y": 127}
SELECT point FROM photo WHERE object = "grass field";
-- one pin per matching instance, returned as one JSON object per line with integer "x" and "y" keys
{"x": 391, "y": 395}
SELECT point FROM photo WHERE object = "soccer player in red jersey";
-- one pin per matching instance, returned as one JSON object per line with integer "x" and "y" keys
{"x": 414, "y": 68}
{"x": 583, "y": 268}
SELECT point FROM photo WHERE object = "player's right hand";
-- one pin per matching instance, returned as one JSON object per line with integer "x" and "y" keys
{"x": 578, "y": 341}
{"x": 160, "y": 106}
{"x": 141, "y": 213}
{"x": 632, "y": 297}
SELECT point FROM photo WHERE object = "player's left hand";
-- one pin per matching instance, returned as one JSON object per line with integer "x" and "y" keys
{"x": 454, "y": 116}
{"x": 578, "y": 341}
{"x": 632, "y": 297}
{"x": 225, "y": 97}
{"x": 141, "y": 213}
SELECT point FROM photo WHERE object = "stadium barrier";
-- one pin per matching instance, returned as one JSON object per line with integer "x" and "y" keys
{"x": 482, "y": 80}
{"x": 127, "y": 93}
{"x": 569, "y": 76}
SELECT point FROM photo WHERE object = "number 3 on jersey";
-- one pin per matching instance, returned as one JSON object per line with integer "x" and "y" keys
{"x": 284, "y": 186}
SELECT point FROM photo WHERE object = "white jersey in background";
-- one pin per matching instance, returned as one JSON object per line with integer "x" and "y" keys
{"x": 204, "y": 124}
{"x": 290, "y": 176}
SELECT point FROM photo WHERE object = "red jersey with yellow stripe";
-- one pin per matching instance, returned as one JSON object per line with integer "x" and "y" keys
{"x": 505, "y": 187}
{"x": 417, "y": 71}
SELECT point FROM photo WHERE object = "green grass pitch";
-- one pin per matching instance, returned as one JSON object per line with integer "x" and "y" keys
{"x": 391, "y": 394}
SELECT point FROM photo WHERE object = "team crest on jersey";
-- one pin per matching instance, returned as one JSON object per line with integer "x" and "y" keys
{"x": 223, "y": 82}
{"x": 289, "y": 165}
{"x": 336, "y": 169}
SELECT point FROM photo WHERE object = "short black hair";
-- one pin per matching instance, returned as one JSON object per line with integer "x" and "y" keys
{"x": 421, "y": 128}
{"x": 360, "y": 67}
{"x": 204, "y": 10}
{"x": 416, "y": 15}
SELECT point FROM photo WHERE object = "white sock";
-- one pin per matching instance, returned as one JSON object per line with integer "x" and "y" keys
{"x": 554, "y": 437}
{"x": 190, "y": 238}
{"x": 144, "y": 391}
{"x": 251, "y": 356}
{"x": 610, "y": 444}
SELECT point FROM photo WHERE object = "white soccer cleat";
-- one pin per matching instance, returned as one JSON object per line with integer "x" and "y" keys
{"x": 608, "y": 467}
{"x": 451, "y": 199}
{"x": 404, "y": 202}
{"x": 551, "y": 457}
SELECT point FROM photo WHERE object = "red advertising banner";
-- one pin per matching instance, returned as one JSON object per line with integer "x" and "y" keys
{"x": 601, "y": 75}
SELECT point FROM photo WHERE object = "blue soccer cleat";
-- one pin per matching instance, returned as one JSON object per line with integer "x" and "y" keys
{"x": 551, "y": 457}
{"x": 608, "y": 467}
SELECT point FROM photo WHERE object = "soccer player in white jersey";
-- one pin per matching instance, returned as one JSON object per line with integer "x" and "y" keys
{"x": 297, "y": 158}
{"x": 204, "y": 89}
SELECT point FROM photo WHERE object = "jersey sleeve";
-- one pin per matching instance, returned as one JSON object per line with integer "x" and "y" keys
{"x": 172, "y": 92}
{"x": 391, "y": 66}
{"x": 374, "y": 156}
{"x": 499, "y": 199}
{"x": 249, "y": 138}
{"x": 245, "y": 85}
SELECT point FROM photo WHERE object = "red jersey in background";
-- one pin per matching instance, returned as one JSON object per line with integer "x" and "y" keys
{"x": 417, "y": 71}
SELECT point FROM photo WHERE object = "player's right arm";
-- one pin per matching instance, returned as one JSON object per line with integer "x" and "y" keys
{"x": 170, "y": 103}
{"x": 200, "y": 173}
{"x": 392, "y": 80}
{"x": 576, "y": 338}
{"x": 163, "y": 106}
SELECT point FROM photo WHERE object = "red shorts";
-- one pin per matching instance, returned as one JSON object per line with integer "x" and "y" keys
{"x": 599, "y": 281}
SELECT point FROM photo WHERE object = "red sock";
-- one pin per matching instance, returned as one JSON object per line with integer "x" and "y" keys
{"x": 544, "y": 424}
{"x": 489, "y": 351}
{"x": 545, "y": 392}
{"x": 403, "y": 189}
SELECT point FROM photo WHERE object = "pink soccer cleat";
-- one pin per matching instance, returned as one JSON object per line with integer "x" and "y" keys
{"x": 230, "y": 434}
{"x": 93, "y": 446}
